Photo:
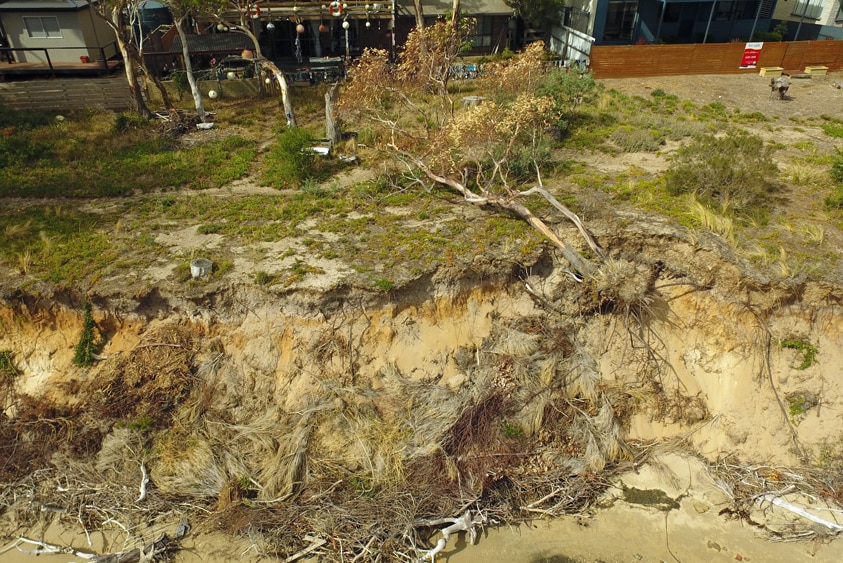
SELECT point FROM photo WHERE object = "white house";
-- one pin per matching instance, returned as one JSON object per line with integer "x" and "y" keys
{"x": 63, "y": 30}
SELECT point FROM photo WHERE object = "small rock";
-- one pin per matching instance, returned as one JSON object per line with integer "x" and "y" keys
{"x": 701, "y": 507}
{"x": 455, "y": 381}
{"x": 714, "y": 545}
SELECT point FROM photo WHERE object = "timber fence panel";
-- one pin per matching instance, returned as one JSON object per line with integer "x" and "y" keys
{"x": 772, "y": 54}
{"x": 719, "y": 58}
{"x": 794, "y": 57}
{"x": 65, "y": 94}
{"x": 627, "y": 61}
{"x": 825, "y": 53}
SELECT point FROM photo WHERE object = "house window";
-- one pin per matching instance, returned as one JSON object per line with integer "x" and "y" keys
{"x": 671, "y": 14}
{"x": 42, "y": 27}
{"x": 811, "y": 9}
{"x": 620, "y": 19}
{"x": 483, "y": 32}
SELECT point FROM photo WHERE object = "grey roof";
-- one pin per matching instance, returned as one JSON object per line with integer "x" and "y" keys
{"x": 42, "y": 5}
{"x": 220, "y": 42}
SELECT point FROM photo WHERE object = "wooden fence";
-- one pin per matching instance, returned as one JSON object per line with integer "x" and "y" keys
{"x": 628, "y": 61}
{"x": 67, "y": 93}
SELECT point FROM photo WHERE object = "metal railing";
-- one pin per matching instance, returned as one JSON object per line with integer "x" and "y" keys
{"x": 105, "y": 52}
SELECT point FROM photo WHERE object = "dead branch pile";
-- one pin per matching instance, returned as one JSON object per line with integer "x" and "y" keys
{"x": 788, "y": 504}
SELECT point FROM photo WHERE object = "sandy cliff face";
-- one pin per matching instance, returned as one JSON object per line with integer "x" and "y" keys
{"x": 452, "y": 386}
{"x": 697, "y": 361}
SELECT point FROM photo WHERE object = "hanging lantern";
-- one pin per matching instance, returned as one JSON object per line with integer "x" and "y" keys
{"x": 335, "y": 9}
{"x": 270, "y": 26}
{"x": 299, "y": 28}
{"x": 345, "y": 25}
{"x": 323, "y": 28}
{"x": 368, "y": 23}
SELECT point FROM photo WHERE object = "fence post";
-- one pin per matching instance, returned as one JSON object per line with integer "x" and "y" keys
{"x": 49, "y": 62}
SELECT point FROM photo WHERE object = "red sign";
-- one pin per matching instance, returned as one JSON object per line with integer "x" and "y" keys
{"x": 750, "y": 55}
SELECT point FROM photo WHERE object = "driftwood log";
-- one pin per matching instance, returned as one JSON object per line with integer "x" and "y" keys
{"x": 163, "y": 545}
{"x": 465, "y": 523}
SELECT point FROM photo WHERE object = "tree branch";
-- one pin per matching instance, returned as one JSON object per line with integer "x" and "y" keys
{"x": 579, "y": 263}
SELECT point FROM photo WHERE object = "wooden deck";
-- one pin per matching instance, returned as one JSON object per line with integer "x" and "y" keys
{"x": 70, "y": 92}
{"x": 94, "y": 68}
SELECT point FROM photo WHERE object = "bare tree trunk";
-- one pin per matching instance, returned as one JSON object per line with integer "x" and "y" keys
{"x": 135, "y": 90}
{"x": 162, "y": 91}
{"x": 188, "y": 68}
{"x": 132, "y": 59}
{"x": 417, "y": 4}
{"x": 285, "y": 92}
{"x": 332, "y": 126}
{"x": 456, "y": 12}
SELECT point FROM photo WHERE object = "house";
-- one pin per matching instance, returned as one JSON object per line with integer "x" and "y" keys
{"x": 301, "y": 29}
{"x": 496, "y": 29}
{"x": 811, "y": 19}
{"x": 52, "y": 32}
{"x": 621, "y": 22}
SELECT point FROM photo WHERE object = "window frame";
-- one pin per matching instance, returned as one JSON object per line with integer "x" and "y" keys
{"x": 49, "y": 32}
{"x": 813, "y": 12}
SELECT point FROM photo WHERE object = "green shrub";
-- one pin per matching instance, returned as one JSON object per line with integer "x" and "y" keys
{"x": 20, "y": 150}
{"x": 808, "y": 351}
{"x": 569, "y": 90}
{"x": 766, "y": 36}
{"x": 835, "y": 199}
{"x": 384, "y": 284}
{"x": 263, "y": 278}
{"x": 636, "y": 139}
{"x": 87, "y": 346}
{"x": 290, "y": 160}
{"x": 7, "y": 364}
{"x": 734, "y": 171}
{"x": 24, "y": 119}
{"x": 126, "y": 121}
{"x": 836, "y": 171}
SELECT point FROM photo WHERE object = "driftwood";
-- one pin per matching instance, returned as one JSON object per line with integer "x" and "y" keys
{"x": 146, "y": 553}
{"x": 138, "y": 554}
{"x": 781, "y": 503}
{"x": 464, "y": 523}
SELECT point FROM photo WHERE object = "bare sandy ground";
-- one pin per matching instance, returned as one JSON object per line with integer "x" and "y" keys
{"x": 629, "y": 532}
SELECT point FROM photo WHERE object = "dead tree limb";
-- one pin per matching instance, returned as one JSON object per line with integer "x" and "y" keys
{"x": 579, "y": 263}
{"x": 279, "y": 77}
{"x": 540, "y": 189}
{"x": 464, "y": 523}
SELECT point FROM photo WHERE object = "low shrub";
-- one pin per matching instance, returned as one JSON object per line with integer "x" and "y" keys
{"x": 290, "y": 160}
{"x": 734, "y": 171}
